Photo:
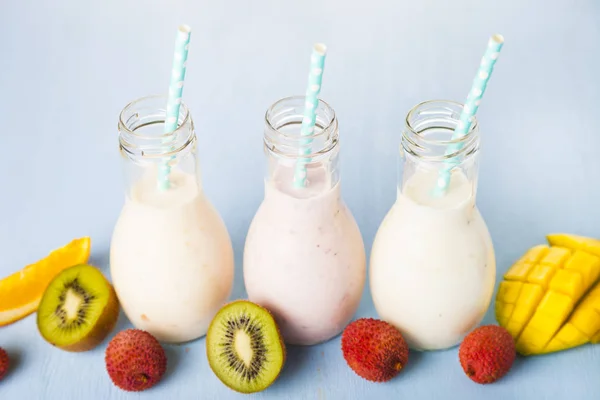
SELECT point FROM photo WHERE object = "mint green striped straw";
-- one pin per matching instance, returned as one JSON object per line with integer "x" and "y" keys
{"x": 174, "y": 99}
{"x": 471, "y": 106}
{"x": 315, "y": 77}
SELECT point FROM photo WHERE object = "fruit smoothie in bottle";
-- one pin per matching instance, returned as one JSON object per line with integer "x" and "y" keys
{"x": 433, "y": 269}
{"x": 171, "y": 256}
{"x": 304, "y": 256}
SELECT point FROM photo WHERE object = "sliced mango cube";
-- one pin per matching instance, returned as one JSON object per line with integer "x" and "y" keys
{"x": 569, "y": 336}
{"x": 586, "y": 264}
{"x": 546, "y": 324}
{"x": 541, "y": 275}
{"x": 568, "y": 282}
{"x": 527, "y": 302}
{"x": 587, "y": 320}
{"x": 509, "y": 291}
{"x": 503, "y": 312}
{"x": 532, "y": 339}
{"x": 514, "y": 328}
{"x": 556, "y": 257}
{"x": 575, "y": 242}
{"x": 518, "y": 272}
{"x": 549, "y": 299}
{"x": 535, "y": 254}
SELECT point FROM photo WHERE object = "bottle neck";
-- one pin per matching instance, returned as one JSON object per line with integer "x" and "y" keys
{"x": 429, "y": 149}
{"x": 292, "y": 155}
{"x": 142, "y": 138}
{"x": 147, "y": 151}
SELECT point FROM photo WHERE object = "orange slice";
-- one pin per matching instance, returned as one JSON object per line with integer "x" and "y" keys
{"x": 20, "y": 293}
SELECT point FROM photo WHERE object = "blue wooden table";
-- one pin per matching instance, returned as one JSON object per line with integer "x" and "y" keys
{"x": 68, "y": 67}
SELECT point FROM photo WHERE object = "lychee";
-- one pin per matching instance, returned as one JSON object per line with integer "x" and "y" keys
{"x": 4, "y": 363}
{"x": 487, "y": 353}
{"x": 135, "y": 360}
{"x": 374, "y": 349}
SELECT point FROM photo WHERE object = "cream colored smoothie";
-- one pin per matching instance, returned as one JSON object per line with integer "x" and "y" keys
{"x": 433, "y": 268}
{"x": 304, "y": 257}
{"x": 171, "y": 259}
{"x": 432, "y": 263}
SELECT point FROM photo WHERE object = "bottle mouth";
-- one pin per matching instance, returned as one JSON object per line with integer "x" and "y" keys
{"x": 429, "y": 130}
{"x": 141, "y": 129}
{"x": 283, "y": 123}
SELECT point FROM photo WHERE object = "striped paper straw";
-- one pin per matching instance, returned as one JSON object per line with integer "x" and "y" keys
{"x": 471, "y": 106}
{"x": 315, "y": 77}
{"x": 174, "y": 99}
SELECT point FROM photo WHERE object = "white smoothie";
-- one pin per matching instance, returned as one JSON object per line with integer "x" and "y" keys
{"x": 304, "y": 258}
{"x": 433, "y": 267}
{"x": 171, "y": 259}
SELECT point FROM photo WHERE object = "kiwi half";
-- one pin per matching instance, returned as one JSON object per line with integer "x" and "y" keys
{"x": 78, "y": 309}
{"x": 244, "y": 347}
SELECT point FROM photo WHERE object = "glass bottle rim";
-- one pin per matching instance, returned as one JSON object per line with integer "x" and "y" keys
{"x": 411, "y": 113}
{"x": 290, "y": 136}
{"x": 182, "y": 109}
{"x": 130, "y": 138}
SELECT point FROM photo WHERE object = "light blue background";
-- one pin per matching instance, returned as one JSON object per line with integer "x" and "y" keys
{"x": 67, "y": 68}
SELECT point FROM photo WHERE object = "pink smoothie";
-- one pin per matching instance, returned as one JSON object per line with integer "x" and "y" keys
{"x": 304, "y": 258}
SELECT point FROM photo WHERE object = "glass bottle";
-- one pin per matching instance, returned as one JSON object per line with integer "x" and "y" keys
{"x": 171, "y": 256}
{"x": 432, "y": 266}
{"x": 304, "y": 257}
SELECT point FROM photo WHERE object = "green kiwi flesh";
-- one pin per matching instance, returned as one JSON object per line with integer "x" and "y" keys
{"x": 244, "y": 347}
{"x": 78, "y": 310}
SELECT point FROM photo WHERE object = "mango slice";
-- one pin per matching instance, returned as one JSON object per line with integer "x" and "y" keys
{"x": 549, "y": 299}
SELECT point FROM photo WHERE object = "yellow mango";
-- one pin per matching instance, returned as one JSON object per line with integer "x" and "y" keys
{"x": 586, "y": 320}
{"x": 518, "y": 272}
{"x": 533, "y": 339}
{"x": 549, "y": 299}
{"x": 556, "y": 256}
{"x": 556, "y": 305}
{"x": 586, "y": 264}
{"x": 569, "y": 336}
{"x": 527, "y": 302}
{"x": 541, "y": 275}
{"x": 504, "y": 311}
{"x": 514, "y": 327}
{"x": 575, "y": 242}
{"x": 567, "y": 282}
{"x": 535, "y": 254}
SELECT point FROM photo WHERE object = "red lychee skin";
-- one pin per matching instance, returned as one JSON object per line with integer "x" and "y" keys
{"x": 487, "y": 353}
{"x": 4, "y": 363}
{"x": 135, "y": 360}
{"x": 374, "y": 349}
